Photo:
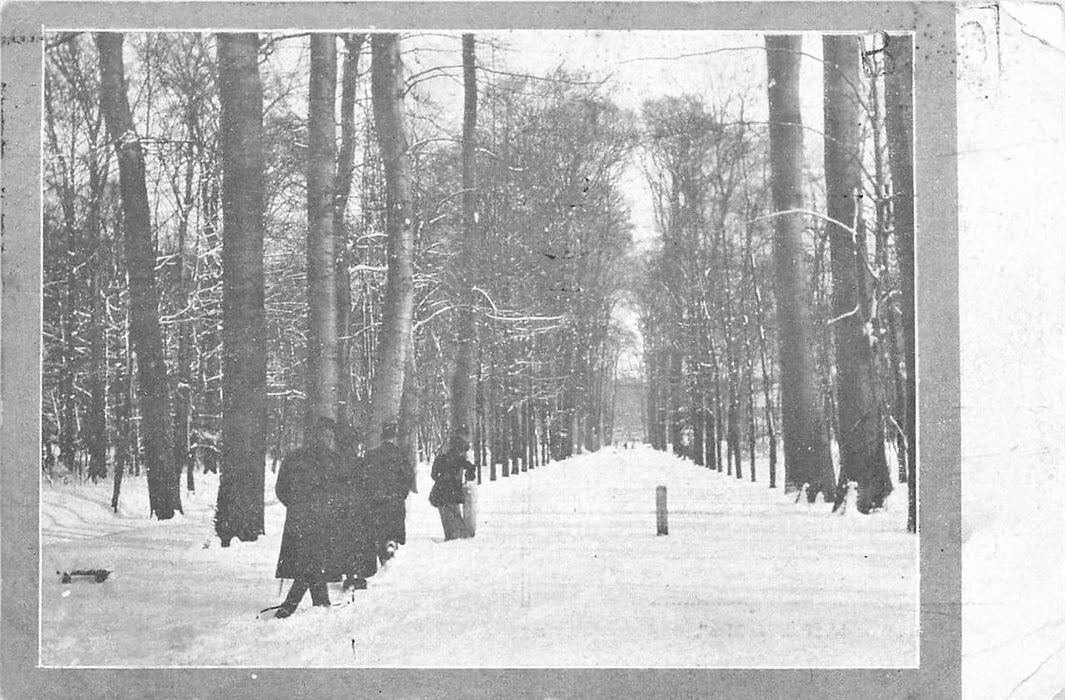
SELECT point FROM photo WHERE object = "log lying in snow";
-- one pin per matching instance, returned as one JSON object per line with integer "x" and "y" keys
{"x": 98, "y": 575}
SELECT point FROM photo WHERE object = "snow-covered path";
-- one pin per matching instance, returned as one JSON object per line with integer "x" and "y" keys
{"x": 566, "y": 570}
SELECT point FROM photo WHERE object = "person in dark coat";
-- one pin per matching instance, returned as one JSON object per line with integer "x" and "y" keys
{"x": 450, "y": 470}
{"x": 207, "y": 445}
{"x": 354, "y": 532}
{"x": 306, "y": 484}
{"x": 388, "y": 473}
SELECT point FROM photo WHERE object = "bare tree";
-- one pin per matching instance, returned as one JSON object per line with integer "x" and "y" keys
{"x": 345, "y": 172}
{"x": 241, "y": 481}
{"x": 861, "y": 419}
{"x": 395, "y": 339}
{"x": 806, "y": 454}
{"x": 321, "y": 239}
{"x": 157, "y": 429}
{"x": 898, "y": 89}
{"x": 461, "y": 403}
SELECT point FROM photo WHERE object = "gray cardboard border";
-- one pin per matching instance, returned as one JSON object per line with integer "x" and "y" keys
{"x": 939, "y": 675}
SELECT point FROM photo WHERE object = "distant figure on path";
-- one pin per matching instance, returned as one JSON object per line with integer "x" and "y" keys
{"x": 450, "y": 471}
{"x": 389, "y": 483}
{"x": 306, "y": 483}
{"x": 354, "y": 530}
{"x": 206, "y": 444}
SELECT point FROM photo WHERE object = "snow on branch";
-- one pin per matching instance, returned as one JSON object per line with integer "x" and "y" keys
{"x": 498, "y": 315}
{"x": 842, "y": 316}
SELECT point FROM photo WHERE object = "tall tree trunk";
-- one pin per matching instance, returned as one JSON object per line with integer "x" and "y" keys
{"x": 345, "y": 171}
{"x": 65, "y": 412}
{"x": 97, "y": 442}
{"x": 479, "y": 410}
{"x": 68, "y": 432}
{"x": 806, "y": 453}
{"x": 530, "y": 425}
{"x": 767, "y": 384}
{"x": 861, "y": 424}
{"x": 387, "y": 94}
{"x": 122, "y": 429}
{"x": 887, "y": 323}
{"x": 163, "y": 495}
{"x": 899, "y": 112}
{"x": 242, "y": 478}
{"x": 752, "y": 434}
{"x": 461, "y": 403}
{"x": 651, "y": 399}
{"x": 716, "y": 427}
{"x": 407, "y": 439}
{"x": 697, "y": 398}
{"x": 210, "y": 345}
{"x": 321, "y": 239}
{"x": 734, "y": 455}
{"x": 676, "y": 400}
{"x": 492, "y": 416}
{"x": 183, "y": 400}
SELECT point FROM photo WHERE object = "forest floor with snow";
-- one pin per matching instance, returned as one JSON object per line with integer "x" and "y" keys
{"x": 566, "y": 570}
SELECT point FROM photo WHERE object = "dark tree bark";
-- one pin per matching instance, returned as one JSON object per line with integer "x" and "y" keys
{"x": 182, "y": 397}
{"x": 767, "y": 384}
{"x": 752, "y": 435}
{"x": 321, "y": 238}
{"x": 887, "y": 326}
{"x": 676, "y": 401}
{"x": 806, "y": 453}
{"x": 734, "y": 456}
{"x": 242, "y": 480}
{"x": 715, "y": 428}
{"x": 407, "y": 440}
{"x": 345, "y": 171}
{"x": 698, "y": 419}
{"x": 181, "y": 280}
{"x": 66, "y": 412}
{"x": 123, "y": 415}
{"x": 97, "y": 419}
{"x": 209, "y": 345}
{"x": 461, "y": 400}
{"x": 861, "y": 420}
{"x": 157, "y": 429}
{"x": 387, "y": 95}
{"x": 479, "y": 441}
{"x": 898, "y": 89}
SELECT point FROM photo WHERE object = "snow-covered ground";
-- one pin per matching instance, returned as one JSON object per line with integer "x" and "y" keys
{"x": 566, "y": 571}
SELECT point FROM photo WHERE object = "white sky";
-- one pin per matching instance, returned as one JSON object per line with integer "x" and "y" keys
{"x": 637, "y": 66}
{"x": 646, "y": 65}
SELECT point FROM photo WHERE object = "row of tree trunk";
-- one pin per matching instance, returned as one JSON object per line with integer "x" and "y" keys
{"x": 711, "y": 368}
{"x": 710, "y": 361}
{"x": 856, "y": 296}
{"x": 243, "y": 365}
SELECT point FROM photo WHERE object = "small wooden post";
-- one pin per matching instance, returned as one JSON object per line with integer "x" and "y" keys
{"x": 661, "y": 511}
{"x": 469, "y": 508}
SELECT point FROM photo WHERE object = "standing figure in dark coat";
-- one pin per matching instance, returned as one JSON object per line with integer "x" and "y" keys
{"x": 208, "y": 445}
{"x": 450, "y": 470}
{"x": 355, "y": 542}
{"x": 388, "y": 473}
{"x": 305, "y": 485}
